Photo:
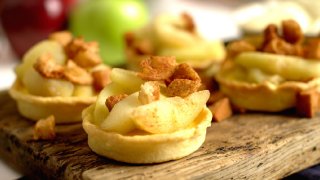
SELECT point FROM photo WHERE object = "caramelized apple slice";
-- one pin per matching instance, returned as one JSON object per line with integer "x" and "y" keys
{"x": 126, "y": 79}
{"x": 101, "y": 111}
{"x": 37, "y": 85}
{"x": 169, "y": 114}
{"x": 119, "y": 119}
{"x": 289, "y": 67}
{"x": 46, "y": 46}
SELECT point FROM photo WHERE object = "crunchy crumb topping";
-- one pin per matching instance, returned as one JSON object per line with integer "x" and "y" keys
{"x": 101, "y": 78}
{"x": 47, "y": 67}
{"x": 45, "y": 129}
{"x": 76, "y": 74}
{"x": 181, "y": 80}
{"x": 307, "y": 103}
{"x": 62, "y": 37}
{"x": 85, "y": 54}
{"x": 189, "y": 23}
{"x": 185, "y": 71}
{"x": 112, "y": 100}
{"x": 292, "y": 31}
{"x": 289, "y": 42}
{"x": 182, "y": 87}
{"x": 221, "y": 109}
{"x": 149, "y": 92}
{"x": 238, "y": 47}
{"x": 156, "y": 68}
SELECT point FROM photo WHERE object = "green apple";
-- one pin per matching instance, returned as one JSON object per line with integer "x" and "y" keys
{"x": 106, "y": 21}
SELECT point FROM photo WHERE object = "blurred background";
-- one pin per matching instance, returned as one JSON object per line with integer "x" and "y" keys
{"x": 26, "y": 22}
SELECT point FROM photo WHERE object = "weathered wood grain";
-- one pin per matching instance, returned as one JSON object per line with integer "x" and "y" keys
{"x": 252, "y": 146}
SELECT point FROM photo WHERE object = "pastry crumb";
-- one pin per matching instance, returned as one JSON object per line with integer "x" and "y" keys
{"x": 307, "y": 103}
{"x": 76, "y": 74}
{"x": 221, "y": 109}
{"x": 150, "y": 91}
{"x": 112, "y": 100}
{"x": 44, "y": 129}
{"x": 156, "y": 68}
{"x": 101, "y": 78}
{"x": 47, "y": 67}
{"x": 62, "y": 37}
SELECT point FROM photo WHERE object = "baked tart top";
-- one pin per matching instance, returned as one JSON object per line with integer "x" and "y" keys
{"x": 162, "y": 98}
{"x": 63, "y": 65}
{"x": 284, "y": 63}
{"x": 174, "y": 35}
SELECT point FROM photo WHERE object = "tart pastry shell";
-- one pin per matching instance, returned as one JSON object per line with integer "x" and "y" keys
{"x": 146, "y": 148}
{"x": 264, "y": 96}
{"x": 64, "y": 109}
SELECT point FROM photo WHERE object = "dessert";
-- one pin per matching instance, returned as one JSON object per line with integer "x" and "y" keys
{"x": 59, "y": 76}
{"x": 173, "y": 35}
{"x": 271, "y": 77}
{"x": 146, "y": 117}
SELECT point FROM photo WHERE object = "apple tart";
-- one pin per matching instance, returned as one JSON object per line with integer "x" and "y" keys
{"x": 172, "y": 35}
{"x": 59, "y": 76}
{"x": 152, "y": 116}
{"x": 282, "y": 72}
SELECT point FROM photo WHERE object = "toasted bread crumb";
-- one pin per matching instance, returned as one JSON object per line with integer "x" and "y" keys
{"x": 62, "y": 37}
{"x": 84, "y": 54}
{"x": 307, "y": 103}
{"x": 101, "y": 78}
{"x": 47, "y": 67}
{"x": 292, "y": 31}
{"x": 182, "y": 87}
{"x": 221, "y": 109}
{"x": 156, "y": 68}
{"x": 112, "y": 100}
{"x": 150, "y": 91}
{"x": 44, "y": 129}
{"x": 76, "y": 74}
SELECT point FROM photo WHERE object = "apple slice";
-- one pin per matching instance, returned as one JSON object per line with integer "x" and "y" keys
{"x": 169, "y": 114}
{"x": 37, "y": 85}
{"x": 83, "y": 91}
{"x": 46, "y": 46}
{"x": 199, "y": 51}
{"x": 119, "y": 119}
{"x": 126, "y": 79}
{"x": 101, "y": 111}
{"x": 289, "y": 67}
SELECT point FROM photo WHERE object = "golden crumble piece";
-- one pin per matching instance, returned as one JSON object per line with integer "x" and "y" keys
{"x": 112, "y": 100}
{"x": 47, "y": 67}
{"x": 189, "y": 23}
{"x": 76, "y": 74}
{"x": 182, "y": 87}
{"x": 101, "y": 78}
{"x": 279, "y": 46}
{"x": 307, "y": 103}
{"x": 62, "y": 37}
{"x": 185, "y": 71}
{"x": 292, "y": 32}
{"x": 237, "y": 47}
{"x": 270, "y": 33}
{"x": 85, "y": 54}
{"x": 45, "y": 129}
{"x": 312, "y": 49}
{"x": 221, "y": 109}
{"x": 156, "y": 68}
{"x": 150, "y": 91}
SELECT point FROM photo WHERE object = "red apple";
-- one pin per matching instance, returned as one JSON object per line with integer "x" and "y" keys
{"x": 26, "y": 22}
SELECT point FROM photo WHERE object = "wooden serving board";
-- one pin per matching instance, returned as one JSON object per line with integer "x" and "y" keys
{"x": 252, "y": 146}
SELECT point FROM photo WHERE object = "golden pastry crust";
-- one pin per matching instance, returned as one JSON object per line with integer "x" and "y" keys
{"x": 170, "y": 35}
{"x": 143, "y": 148}
{"x": 264, "y": 96}
{"x": 64, "y": 109}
